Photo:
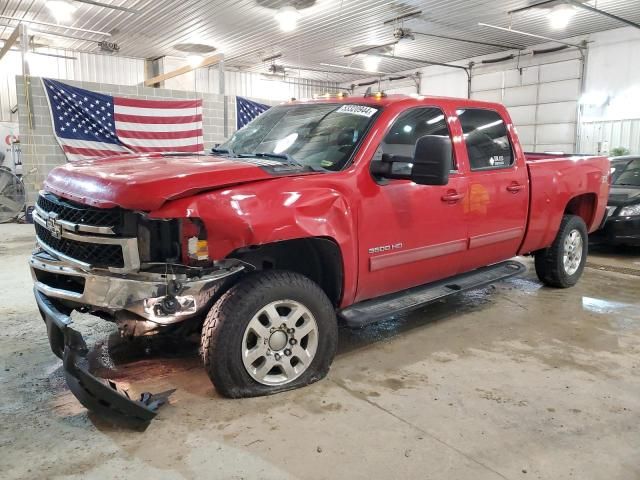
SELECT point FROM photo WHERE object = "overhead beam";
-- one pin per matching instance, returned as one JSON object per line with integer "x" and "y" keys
{"x": 354, "y": 68}
{"x": 406, "y": 16}
{"x": 533, "y": 35}
{"x": 476, "y": 42}
{"x": 417, "y": 60}
{"x": 52, "y": 34}
{"x": 48, "y": 24}
{"x": 319, "y": 70}
{"x": 10, "y": 42}
{"x": 213, "y": 59}
{"x": 531, "y": 7}
{"x": 371, "y": 48}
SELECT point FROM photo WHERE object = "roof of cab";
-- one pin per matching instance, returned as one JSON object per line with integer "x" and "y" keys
{"x": 386, "y": 100}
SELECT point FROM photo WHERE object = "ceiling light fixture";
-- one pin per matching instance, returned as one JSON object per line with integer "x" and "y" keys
{"x": 561, "y": 15}
{"x": 371, "y": 63}
{"x": 61, "y": 10}
{"x": 287, "y": 17}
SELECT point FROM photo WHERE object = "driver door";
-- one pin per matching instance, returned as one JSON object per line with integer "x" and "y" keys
{"x": 411, "y": 234}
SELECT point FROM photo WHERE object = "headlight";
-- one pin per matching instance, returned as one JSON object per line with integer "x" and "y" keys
{"x": 630, "y": 211}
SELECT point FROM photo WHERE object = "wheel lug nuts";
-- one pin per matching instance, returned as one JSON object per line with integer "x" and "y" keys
{"x": 292, "y": 341}
{"x": 283, "y": 326}
{"x": 290, "y": 330}
{"x": 273, "y": 329}
{"x": 287, "y": 352}
{"x": 277, "y": 356}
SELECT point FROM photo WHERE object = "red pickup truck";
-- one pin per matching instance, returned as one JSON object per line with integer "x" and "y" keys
{"x": 318, "y": 212}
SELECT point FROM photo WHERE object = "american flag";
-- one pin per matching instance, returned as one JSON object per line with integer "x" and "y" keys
{"x": 90, "y": 125}
{"x": 246, "y": 110}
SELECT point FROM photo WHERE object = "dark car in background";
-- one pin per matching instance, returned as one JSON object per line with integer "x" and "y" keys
{"x": 622, "y": 226}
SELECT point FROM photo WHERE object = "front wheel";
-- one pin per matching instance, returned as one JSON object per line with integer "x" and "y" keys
{"x": 270, "y": 332}
{"x": 561, "y": 264}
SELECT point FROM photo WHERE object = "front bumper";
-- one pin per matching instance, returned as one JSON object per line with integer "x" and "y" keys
{"x": 97, "y": 395}
{"x": 143, "y": 294}
{"x": 140, "y": 303}
{"x": 619, "y": 231}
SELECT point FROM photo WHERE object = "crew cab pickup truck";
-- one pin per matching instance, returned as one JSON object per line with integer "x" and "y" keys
{"x": 318, "y": 212}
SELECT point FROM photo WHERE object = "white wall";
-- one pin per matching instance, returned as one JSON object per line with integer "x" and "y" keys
{"x": 87, "y": 67}
{"x": 613, "y": 73}
{"x": 611, "y": 109}
{"x": 543, "y": 92}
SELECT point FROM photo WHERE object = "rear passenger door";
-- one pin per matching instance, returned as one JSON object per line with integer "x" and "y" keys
{"x": 498, "y": 189}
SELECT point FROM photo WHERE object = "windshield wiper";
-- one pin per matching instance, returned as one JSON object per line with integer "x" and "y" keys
{"x": 281, "y": 156}
{"x": 227, "y": 151}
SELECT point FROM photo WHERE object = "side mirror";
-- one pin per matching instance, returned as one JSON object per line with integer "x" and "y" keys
{"x": 432, "y": 160}
{"x": 430, "y": 164}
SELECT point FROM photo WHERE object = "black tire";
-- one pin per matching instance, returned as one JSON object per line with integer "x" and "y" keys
{"x": 550, "y": 261}
{"x": 224, "y": 327}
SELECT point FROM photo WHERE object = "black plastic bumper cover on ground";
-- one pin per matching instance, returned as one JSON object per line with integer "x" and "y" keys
{"x": 97, "y": 395}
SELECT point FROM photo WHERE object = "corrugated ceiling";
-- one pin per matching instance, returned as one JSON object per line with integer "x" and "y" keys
{"x": 247, "y": 32}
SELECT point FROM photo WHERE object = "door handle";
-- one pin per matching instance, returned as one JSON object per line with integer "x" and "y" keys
{"x": 452, "y": 197}
{"x": 515, "y": 187}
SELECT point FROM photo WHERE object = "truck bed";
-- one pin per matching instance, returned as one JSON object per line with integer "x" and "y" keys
{"x": 559, "y": 184}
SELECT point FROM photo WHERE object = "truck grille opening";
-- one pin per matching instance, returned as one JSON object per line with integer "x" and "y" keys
{"x": 95, "y": 254}
{"x": 78, "y": 213}
{"x": 70, "y": 283}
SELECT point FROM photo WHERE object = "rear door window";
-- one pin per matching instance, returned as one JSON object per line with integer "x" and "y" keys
{"x": 486, "y": 138}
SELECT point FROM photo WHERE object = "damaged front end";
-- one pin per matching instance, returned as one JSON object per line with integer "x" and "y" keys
{"x": 95, "y": 394}
{"x": 146, "y": 276}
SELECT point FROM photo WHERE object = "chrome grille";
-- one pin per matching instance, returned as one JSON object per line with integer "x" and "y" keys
{"x": 77, "y": 213}
{"x": 96, "y": 255}
{"x": 85, "y": 236}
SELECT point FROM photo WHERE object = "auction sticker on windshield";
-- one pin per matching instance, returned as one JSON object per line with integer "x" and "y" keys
{"x": 357, "y": 110}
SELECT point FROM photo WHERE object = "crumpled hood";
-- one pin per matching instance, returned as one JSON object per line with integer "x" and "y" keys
{"x": 145, "y": 182}
{"x": 623, "y": 195}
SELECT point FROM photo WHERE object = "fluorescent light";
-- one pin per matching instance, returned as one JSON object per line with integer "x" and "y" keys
{"x": 407, "y": 128}
{"x": 61, "y": 10}
{"x": 194, "y": 60}
{"x": 435, "y": 120}
{"x": 287, "y": 17}
{"x": 370, "y": 63}
{"x": 560, "y": 16}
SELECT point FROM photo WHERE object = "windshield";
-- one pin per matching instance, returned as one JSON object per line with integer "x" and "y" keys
{"x": 628, "y": 174}
{"x": 321, "y": 136}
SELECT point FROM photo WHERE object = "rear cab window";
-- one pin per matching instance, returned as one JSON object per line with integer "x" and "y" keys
{"x": 486, "y": 138}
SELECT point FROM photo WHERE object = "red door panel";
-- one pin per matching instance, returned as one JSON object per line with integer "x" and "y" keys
{"x": 410, "y": 236}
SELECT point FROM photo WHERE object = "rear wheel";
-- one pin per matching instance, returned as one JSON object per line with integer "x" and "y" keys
{"x": 561, "y": 264}
{"x": 270, "y": 332}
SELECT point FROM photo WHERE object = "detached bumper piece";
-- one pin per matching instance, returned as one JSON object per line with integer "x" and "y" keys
{"x": 97, "y": 395}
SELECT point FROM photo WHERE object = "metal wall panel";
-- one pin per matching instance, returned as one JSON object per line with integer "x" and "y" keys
{"x": 541, "y": 94}
{"x": 617, "y": 133}
{"x": 249, "y": 84}
{"x": 86, "y": 67}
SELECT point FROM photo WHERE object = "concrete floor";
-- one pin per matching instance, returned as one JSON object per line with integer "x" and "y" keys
{"x": 513, "y": 381}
